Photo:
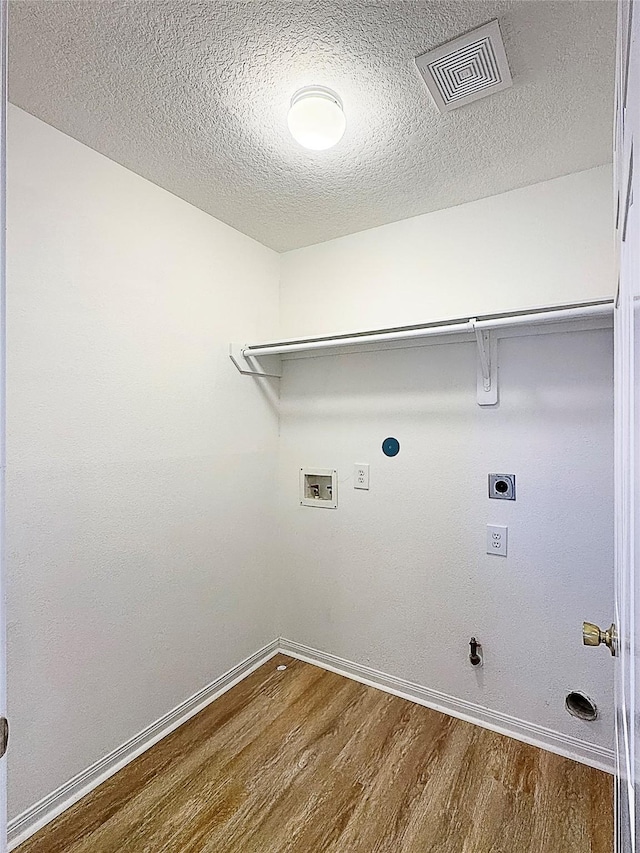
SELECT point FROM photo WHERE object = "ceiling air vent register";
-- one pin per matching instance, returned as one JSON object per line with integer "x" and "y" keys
{"x": 467, "y": 68}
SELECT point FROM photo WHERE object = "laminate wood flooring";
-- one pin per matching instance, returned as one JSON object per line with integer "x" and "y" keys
{"x": 306, "y": 761}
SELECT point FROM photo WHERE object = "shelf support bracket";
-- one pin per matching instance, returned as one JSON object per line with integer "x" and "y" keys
{"x": 249, "y": 365}
{"x": 487, "y": 378}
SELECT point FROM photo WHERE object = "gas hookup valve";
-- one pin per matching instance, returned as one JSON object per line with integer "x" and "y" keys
{"x": 475, "y": 652}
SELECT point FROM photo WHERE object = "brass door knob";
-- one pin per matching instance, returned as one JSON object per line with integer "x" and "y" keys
{"x": 593, "y": 636}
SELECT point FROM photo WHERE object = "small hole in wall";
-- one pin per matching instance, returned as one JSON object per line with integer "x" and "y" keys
{"x": 281, "y": 668}
{"x": 580, "y": 706}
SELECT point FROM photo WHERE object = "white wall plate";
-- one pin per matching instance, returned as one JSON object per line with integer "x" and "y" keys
{"x": 319, "y": 487}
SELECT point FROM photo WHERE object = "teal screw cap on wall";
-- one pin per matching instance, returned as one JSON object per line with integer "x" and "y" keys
{"x": 391, "y": 446}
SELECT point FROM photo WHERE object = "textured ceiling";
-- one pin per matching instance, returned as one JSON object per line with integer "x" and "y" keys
{"x": 194, "y": 97}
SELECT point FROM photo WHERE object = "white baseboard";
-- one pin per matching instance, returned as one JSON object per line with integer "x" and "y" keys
{"x": 553, "y": 741}
{"x": 38, "y": 815}
{"x": 44, "y": 811}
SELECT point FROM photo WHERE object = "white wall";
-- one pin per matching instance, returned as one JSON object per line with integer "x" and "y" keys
{"x": 140, "y": 465}
{"x": 541, "y": 245}
{"x": 397, "y": 578}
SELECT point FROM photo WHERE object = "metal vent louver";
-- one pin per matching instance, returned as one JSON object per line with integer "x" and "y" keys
{"x": 467, "y": 68}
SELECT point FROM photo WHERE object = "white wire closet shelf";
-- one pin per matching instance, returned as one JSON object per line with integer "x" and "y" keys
{"x": 485, "y": 329}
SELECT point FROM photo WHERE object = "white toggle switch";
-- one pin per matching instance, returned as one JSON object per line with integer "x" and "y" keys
{"x": 497, "y": 539}
{"x": 360, "y": 476}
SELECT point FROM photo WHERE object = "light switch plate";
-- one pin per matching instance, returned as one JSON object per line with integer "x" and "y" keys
{"x": 497, "y": 539}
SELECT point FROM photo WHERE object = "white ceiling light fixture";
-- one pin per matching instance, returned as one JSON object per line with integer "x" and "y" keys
{"x": 316, "y": 118}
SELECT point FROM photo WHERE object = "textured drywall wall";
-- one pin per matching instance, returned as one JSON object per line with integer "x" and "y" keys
{"x": 194, "y": 96}
{"x": 398, "y": 578}
{"x": 141, "y": 466}
{"x": 540, "y": 245}
{"x": 140, "y": 463}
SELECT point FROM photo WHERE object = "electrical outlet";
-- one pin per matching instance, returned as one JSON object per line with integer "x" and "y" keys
{"x": 360, "y": 476}
{"x": 497, "y": 539}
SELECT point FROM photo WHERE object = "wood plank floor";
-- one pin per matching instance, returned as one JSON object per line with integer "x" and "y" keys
{"x": 305, "y": 761}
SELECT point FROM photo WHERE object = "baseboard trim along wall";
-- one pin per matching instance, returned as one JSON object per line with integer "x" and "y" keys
{"x": 553, "y": 741}
{"x": 44, "y": 811}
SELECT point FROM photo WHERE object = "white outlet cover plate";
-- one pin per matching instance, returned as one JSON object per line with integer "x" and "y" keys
{"x": 360, "y": 476}
{"x": 497, "y": 539}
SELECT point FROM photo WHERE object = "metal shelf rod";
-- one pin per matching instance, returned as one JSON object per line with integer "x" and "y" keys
{"x": 577, "y": 312}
